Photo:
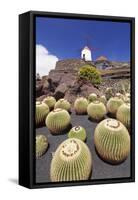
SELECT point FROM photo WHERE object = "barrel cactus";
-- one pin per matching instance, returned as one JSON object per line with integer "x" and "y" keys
{"x": 71, "y": 162}
{"x": 77, "y": 132}
{"x": 63, "y": 103}
{"x": 123, "y": 114}
{"x": 103, "y": 99}
{"x": 58, "y": 120}
{"x": 113, "y": 104}
{"x": 80, "y": 105}
{"x": 92, "y": 97}
{"x": 50, "y": 101}
{"x": 112, "y": 141}
{"x": 41, "y": 145}
{"x": 96, "y": 110}
{"x": 41, "y": 112}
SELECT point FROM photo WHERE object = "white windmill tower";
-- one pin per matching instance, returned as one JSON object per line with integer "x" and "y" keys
{"x": 86, "y": 54}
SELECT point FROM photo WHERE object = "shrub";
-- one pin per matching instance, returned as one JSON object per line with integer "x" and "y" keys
{"x": 90, "y": 73}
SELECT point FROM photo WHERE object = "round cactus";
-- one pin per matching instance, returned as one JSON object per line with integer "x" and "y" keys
{"x": 103, "y": 99}
{"x": 41, "y": 112}
{"x": 63, "y": 103}
{"x": 41, "y": 145}
{"x": 112, "y": 141}
{"x": 113, "y": 104}
{"x": 119, "y": 95}
{"x": 58, "y": 120}
{"x": 96, "y": 110}
{"x": 50, "y": 101}
{"x": 71, "y": 162}
{"x": 123, "y": 114}
{"x": 92, "y": 97}
{"x": 77, "y": 132}
{"x": 80, "y": 105}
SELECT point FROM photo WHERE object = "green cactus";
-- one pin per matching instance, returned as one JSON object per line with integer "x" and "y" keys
{"x": 77, "y": 132}
{"x": 112, "y": 141}
{"x": 109, "y": 93}
{"x": 92, "y": 97}
{"x": 113, "y": 104}
{"x": 50, "y": 101}
{"x": 103, "y": 99}
{"x": 41, "y": 145}
{"x": 41, "y": 112}
{"x": 71, "y": 162}
{"x": 58, "y": 120}
{"x": 96, "y": 110}
{"x": 123, "y": 114}
{"x": 64, "y": 104}
{"x": 80, "y": 105}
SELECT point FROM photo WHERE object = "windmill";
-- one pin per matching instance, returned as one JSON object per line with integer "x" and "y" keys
{"x": 87, "y": 51}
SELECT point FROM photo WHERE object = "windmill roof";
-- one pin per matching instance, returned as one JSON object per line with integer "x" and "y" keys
{"x": 86, "y": 47}
{"x": 101, "y": 58}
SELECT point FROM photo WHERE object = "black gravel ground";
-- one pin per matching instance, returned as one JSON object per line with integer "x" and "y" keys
{"x": 101, "y": 169}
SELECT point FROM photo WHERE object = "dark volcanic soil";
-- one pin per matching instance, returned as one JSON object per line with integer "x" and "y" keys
{"x": 101, "y": 170}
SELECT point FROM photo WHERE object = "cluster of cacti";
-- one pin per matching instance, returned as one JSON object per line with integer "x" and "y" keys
{"x": 103, "y": 99}
{"x": 64, "y": 104}
{"x": 108, "y": 93}
{"x": 41, "y": 112}
{"x": 113, "y": 104}
{"x": 112, "y": 140}
{"x": 92, "y": 97}
{"x": 80, "y": 105}
{"x": 58, "y": 120}
{"x": 71, "y": 162}
{"x": 50, "y": 101}
{"x": 41, "y": 145}
{"x": 77, "y": 132}
{"x": 123, "y": 114}
{"x": 96, "y": 110}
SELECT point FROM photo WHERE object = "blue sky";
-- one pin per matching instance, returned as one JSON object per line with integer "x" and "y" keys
{"x": 64, "y": 38}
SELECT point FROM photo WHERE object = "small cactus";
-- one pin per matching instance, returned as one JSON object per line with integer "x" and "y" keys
{"x": 112, "y": 140}
{"x": 50, "y": 101}
{"x": 64, "y": 104}
{"x": 96, "y": 110}
{"x": 103, "y": 99}
{"x": 41, "y": 112}
{"x": 80, "y": 105}
{"x": 41, "y": 145}
{"x": 77, "y": 132}
{"x": 123, "y": 114}
{"x": 109, "y": 93}
{"x": 113, "y": 104}
{"x": 71, "y": 162}
{"x": 58, "y": 120}
{"x": 92, "y": 97}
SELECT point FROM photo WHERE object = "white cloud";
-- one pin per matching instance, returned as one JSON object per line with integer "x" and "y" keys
{"x": 44, "y": 60}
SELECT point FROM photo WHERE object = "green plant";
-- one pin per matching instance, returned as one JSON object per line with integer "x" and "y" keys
{"x": 71, "y": 162}
{"x": 92, "y": 97}
{"x": 50, "y": 101}
{"x": 103, "y": 99}
{"x": 90, "y": 73}
{"x": 123, "y": 114}
{"x": 112, "y": 140}
{"x": 108, "y": 93}
{"x": 96, "y": 110}
{"x": 77, "y": 132}
{"x": 64, "y": 104}
{"x": 41, "y": 112}
{"x": 41, "y": 145}
{"x": 80, "y": 105}
{"x": 58, "y": 120}
{"x": 113, "y": 104}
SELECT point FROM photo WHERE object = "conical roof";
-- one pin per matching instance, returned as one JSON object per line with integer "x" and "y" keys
{"x": 101, "y": 58}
